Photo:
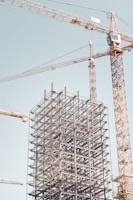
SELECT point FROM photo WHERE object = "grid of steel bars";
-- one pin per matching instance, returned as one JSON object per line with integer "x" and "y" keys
{"x": 69, "y": 149}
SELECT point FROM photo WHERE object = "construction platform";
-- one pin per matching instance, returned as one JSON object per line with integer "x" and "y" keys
{"x": 69, "y": 150}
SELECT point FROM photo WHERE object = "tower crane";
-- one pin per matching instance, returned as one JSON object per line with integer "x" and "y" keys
{"x": 114, "y": 38}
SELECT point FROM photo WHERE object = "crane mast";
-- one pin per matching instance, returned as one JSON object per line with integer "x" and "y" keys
{"x": 125, "y": 166}
{"x": 92, "y": 77}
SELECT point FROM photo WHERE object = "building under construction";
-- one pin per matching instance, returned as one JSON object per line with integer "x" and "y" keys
{"x": 69, "y": 151}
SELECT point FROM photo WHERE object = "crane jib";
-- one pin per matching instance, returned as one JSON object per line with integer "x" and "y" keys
{"x": 42, "y": 9}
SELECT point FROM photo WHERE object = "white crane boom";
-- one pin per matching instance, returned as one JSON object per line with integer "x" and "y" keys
{"x": 10, "y": 182}
{"x": 24, "y": 117}
{"x": 41, "y": 69}
{"x": 42, "y": 9}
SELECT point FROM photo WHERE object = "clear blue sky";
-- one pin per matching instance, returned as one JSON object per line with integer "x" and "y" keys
{"x": 28, "y": 40}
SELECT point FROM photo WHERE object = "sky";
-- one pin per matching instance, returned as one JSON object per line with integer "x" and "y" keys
{"x": 28, "y": 40}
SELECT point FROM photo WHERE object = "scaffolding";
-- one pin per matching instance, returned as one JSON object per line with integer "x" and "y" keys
{"x": 69, "y": 150}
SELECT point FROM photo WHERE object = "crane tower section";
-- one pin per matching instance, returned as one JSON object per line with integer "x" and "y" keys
{"x": 69, "y": 149}
{"x": 92, "y": 77}
{"x": 125, "y": 165}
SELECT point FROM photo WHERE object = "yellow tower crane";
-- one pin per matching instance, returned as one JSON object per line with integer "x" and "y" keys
{"x": 114, "y": 38}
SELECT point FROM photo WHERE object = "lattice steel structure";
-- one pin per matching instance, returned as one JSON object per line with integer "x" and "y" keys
{"x": 69, "y": 151}
{"x": 125, "y": 165}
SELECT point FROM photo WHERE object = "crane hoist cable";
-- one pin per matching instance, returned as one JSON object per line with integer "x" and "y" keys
{"x": 79, "y": 6}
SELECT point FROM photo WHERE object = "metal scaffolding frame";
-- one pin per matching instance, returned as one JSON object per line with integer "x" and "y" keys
{"x": 69, "y": 150}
